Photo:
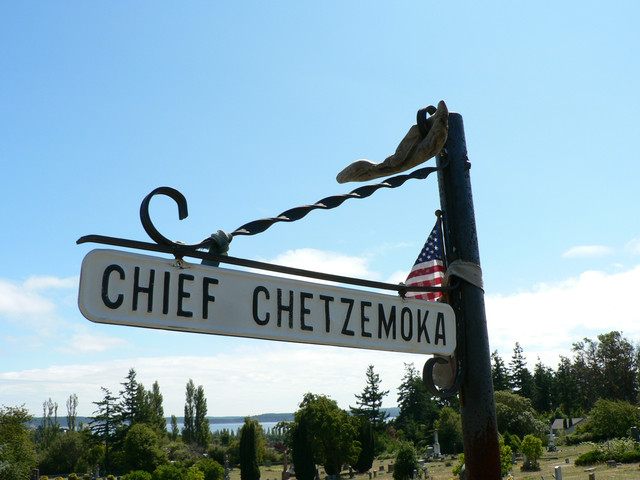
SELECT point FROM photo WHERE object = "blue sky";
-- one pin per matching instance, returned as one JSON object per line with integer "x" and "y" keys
{"x": 252, "y": 108}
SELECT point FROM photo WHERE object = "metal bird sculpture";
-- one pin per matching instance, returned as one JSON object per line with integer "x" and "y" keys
{"x": 422, "y": 141}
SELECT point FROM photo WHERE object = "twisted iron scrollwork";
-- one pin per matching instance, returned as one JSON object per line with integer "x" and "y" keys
{"x": 259, "y": 226}
{"x": 217, "y": 244}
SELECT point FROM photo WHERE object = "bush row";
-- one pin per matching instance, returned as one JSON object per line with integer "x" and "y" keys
{"x": 620, "y": 450}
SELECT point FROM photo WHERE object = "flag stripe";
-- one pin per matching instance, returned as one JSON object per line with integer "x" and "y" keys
{"x": 428, "y": 270}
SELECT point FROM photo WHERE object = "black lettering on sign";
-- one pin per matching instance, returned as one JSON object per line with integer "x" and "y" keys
{"x": 182, "y": 294}
{"x": 440, "y": 329}
{"x": 285, "y": 308}
{"x": 422, "y": 326}
{"x": 258, "y": 320}
{"x": 165, "y": 293}
{"x": 389, "y": 327}
{"x": 113, "y": 304}
{"x": 206, "y": 296}
{"x": 304, "y": 311}
{"x": 327, "y": 316}
{"x": 137, "y": 288}
{"x": 345, "y": 330}
{"x": 406, "y": 318}
{"x": 364, "y": 319}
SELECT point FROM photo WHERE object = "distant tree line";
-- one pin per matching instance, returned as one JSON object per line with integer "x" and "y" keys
{"x": 606, "y": 368}
{"x": 128, "y": 434}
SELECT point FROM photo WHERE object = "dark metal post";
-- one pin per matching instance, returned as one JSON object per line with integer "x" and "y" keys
{"x": 479, "y": 427}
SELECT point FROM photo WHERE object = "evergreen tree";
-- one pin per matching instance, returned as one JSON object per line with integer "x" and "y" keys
{"x": 72, "y": 411}
{"x": 367, "y": 445}
{"x": 156, "y": 409}
{"x": 174, "y": 428}
{"x": 128, "y": 397}
{"x": 134, "y": 403}
{"x": 106, "y": 422}
{"x": 370, "y": 401}
{"x": 302, "y": 453}
{"x": 499, "y": 372}
{"x": 543, "y": 399}
{"x": 189, "y": 429}
{"x": 520, "y": 377}
{"x": 418, "y": 411}
{"x": 142, "y": 413}
{"x": 201, "y": 422}
{"x": 249, "y": 468}
{"x": 585, "y": 373}
{"x": 565, "y": 388}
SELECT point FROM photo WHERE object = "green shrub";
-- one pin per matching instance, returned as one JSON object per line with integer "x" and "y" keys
{"x": 458, "y": 468}
{"x": 514, "y": 442}
{"x": 44, "y": 477}
{"x": 622, "y": 450}
{"x": 111, "y": 477}
{"x": 506, "y": 459}
{"x": 167, "y": 472}
{"x": 629, "y": 457}
{"x": 406, "y": 462}
{"x": 73, "y": 476}
{"x": 589, "y": 458}
{"x": 211, "y": 469}
{"x": 615, "y": 448}
{"x": 532, "y": 449}
{"x": 137, "y": 475}
{"x": 86, "y": 476}
{"x": 193, "y": 473}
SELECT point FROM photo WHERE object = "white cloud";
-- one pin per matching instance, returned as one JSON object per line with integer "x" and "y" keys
{"x": 39, "y": 283}
{"x": 257, "y": 377}
{"x": 633, "y": 246}
{"x": 398, "y": 276}
{"x": 327, "y": 262}
{"x": 548, "y": 319}
{"x": 587, "y": 251}
{"x": 16, "y": 299}
{"x": 82, "y": 343}
{"x": 36, "y": 313}
{"x": 29, "y": 297}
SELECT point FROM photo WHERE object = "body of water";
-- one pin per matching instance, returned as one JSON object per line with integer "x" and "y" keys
{"x": 232, "y": 427}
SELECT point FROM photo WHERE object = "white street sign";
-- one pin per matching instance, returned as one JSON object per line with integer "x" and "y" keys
{"x": 131, "y": 289}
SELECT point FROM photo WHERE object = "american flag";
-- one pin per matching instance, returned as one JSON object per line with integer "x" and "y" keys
{"x": 428, "y": 271}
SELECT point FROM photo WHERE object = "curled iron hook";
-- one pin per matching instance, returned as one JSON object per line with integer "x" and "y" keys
{"x": 183, "y": 212}
{"x": 427, "y": 378}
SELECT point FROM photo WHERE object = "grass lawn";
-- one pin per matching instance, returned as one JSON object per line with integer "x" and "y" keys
{"x": 439, "y": 470}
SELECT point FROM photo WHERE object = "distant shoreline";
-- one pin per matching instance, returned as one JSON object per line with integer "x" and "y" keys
{"x": 262, "y": 418}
